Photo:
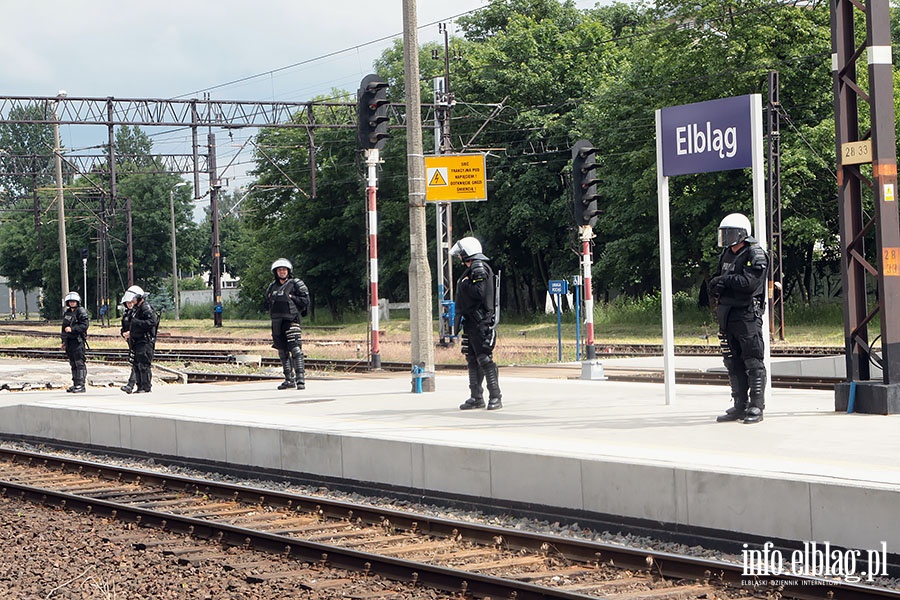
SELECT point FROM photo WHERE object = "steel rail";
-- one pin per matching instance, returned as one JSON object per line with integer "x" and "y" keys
{"x": 668, "y": 564}
{"x": 603, "y": 350}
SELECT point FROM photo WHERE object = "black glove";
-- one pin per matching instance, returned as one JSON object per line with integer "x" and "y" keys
{"x": 717, "y": 286}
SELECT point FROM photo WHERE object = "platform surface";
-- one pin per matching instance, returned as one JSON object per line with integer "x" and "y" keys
{"x": 597, "y": 446}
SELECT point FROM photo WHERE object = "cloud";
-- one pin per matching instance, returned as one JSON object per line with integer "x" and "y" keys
{"x": 168, "y": 48}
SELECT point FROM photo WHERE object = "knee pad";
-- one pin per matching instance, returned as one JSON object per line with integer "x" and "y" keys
{"x": 294, "y": 335}
{"x": 485, "y": 360}
{"x": 755, "y": 364}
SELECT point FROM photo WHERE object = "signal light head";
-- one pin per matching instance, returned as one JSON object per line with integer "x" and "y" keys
{"x": 584, "y": 189}
{"x": 372, "y": 107}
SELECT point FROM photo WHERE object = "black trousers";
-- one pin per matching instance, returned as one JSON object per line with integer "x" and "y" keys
{"x": 143, "y": 357}
{"x": 75, "y": 354}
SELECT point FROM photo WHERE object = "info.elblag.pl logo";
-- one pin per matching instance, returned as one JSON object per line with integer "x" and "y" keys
{"x": 816, "y": 559}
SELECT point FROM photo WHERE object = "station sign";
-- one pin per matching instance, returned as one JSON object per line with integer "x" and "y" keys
{"x": 706, "y": 136}
{"x": 455, "y": 178}
{"x": 558, "y": 286}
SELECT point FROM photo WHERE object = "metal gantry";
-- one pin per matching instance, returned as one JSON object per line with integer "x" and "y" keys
{"x": 867, "y": 203}
{"x": 192, "y": 114}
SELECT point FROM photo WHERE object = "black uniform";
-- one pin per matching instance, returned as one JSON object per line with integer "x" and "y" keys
{"x": 74, "y": 343}
{"x": 287, "y": 302}
{"x": 739, "y": 287}
{"x": 126, "y": 326}
{"x": 143, "y": 338}
{"x": 475, "y": 310}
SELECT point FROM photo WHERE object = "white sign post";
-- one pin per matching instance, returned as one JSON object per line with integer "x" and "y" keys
{"x": 696, "y": 138}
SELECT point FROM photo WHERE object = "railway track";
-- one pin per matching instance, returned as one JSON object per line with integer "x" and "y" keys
{"x": 567, "y": 370}
{"x": 463, "y": 559}
{"x": 602, "y": 349}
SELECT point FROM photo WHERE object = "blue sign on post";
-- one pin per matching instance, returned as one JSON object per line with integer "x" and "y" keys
{"x": 706, "y": 136}
{"x": 558, "y": 287}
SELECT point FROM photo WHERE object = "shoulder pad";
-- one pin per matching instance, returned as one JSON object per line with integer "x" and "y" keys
{"x": 298, "y": 283}
{"x": 758, "y": 257}
{"x": 479, "y": 270}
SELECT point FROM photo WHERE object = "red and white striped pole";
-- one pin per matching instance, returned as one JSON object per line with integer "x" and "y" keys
{"x": 371, "y": 188}
{"x": 587, "y": 234}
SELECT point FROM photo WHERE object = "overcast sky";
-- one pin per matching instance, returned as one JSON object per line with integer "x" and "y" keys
{"x": 174, "y": 48}
{"x": 287, "y": 50}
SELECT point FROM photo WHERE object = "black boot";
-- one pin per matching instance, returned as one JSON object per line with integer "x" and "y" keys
{"x": 299, "y": 369}
{"x": 476, "y": 392}
{"x": 489, "y": 368}
{"x": 287, "y": 369}
{"x": 472, "y": 403}
{"x": 757, "y": 396}
{"x": 739, "y": 385}
{"x": 132, "y": 379}
{"x": 735, "y": 413}
{"x": 74, "y": 371}
{"x": 78, "y": 381}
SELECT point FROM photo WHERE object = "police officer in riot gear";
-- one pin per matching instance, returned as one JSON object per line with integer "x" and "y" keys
{"x": 287, "y": 299}
{"x": 142, "y": 336}
{"x": 475, "y": 308}
{"x": 127, "y": 313}
{"x": 739, "y": 288}
{"x": 75, "y": 324}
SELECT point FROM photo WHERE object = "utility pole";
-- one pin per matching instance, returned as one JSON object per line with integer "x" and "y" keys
{"x": 420, "y": 311}
{"x": 60, "y": 205}
{"x": 129, "y": 240}
{"x": 174, "y": 248}
{"x": 214, "y": 221}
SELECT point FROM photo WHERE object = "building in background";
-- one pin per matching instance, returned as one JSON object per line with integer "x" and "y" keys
{"x": 230, "y": 290}
{"x": 13, "y": 303}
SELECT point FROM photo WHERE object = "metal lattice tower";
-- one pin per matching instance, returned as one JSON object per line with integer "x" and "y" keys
{"x": 776, "y": 273}
{"x": 867, "y": 202}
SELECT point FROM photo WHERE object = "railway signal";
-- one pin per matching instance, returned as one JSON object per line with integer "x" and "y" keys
{"x": 373, "y": 107}
{"x": 585, "y": 183}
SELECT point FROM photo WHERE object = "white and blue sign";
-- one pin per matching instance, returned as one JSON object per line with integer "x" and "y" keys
{"x": 558, "y": 286}
{"x": 706, "y": 136}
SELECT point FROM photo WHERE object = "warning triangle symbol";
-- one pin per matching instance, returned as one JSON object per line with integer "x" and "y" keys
{"x": 437, "y": 179}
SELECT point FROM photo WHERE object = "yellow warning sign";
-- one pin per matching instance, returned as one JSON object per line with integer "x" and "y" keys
{"x": 439, "y": 178}
{"x": 455, "y": 178}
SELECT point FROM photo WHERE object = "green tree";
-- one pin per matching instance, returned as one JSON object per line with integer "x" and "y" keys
{"x": 141, "y": 182}
{"x": 26, "y": 159}
{"x": 689, "y": 53}
{"x": 324, "y": 237}
{"x": 540, "y": 58}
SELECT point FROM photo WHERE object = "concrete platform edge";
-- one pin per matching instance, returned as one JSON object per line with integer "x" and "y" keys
{"x": 767, "y": 507}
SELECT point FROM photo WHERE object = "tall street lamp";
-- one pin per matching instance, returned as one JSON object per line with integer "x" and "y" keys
{"x": 60, "y": 206}
{"x": 174, "y": 255}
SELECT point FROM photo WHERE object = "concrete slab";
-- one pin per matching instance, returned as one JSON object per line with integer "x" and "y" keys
{"x": 596, "y": 446}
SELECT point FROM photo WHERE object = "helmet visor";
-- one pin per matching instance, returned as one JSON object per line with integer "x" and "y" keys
{"x": 729, "y": 236}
